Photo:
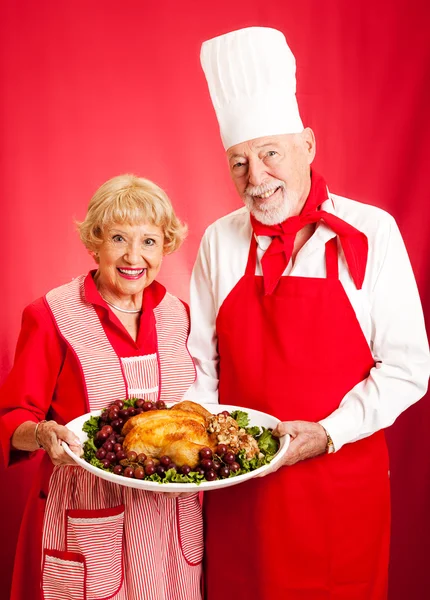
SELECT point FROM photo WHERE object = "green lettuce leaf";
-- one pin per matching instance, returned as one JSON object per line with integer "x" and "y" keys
{"x": 254, "y": 431}
{"x": 267, "y": 443}
{"x": 240, "y": 417}
{"x": 91, "y": 426}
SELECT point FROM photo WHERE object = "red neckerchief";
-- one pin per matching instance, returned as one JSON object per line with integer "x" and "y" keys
{"x": 277, "y": 256}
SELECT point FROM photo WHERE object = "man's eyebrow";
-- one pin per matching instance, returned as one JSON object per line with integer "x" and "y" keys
{"x": 236, "y": 156}
{"x": 270, "y": 143}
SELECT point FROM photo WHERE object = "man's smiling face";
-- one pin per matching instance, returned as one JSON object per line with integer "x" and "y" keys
{"x": 272, "y": 174}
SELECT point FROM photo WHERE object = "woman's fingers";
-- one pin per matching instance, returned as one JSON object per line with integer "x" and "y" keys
{"x": 51, "y": 435}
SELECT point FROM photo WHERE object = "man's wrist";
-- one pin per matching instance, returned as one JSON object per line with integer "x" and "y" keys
{"x": 330, "y": 445}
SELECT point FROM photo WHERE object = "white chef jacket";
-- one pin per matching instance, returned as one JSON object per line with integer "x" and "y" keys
{"x": 387, "y": 307}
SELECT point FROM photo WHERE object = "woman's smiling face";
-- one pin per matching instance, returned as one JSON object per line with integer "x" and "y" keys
{"x": 129, "y": 259}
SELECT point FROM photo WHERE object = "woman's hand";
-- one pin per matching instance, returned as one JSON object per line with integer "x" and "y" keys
{"x": 50, "y": 435}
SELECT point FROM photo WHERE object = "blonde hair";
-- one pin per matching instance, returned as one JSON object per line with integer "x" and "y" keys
{"x": 131, "y": 199}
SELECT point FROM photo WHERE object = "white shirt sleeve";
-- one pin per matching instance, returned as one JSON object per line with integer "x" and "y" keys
{"x": 202, "y": 342}
{"x": 400, "y": 349}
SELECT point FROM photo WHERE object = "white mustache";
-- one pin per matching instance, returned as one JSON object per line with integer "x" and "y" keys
{"x": 257, "y": 190}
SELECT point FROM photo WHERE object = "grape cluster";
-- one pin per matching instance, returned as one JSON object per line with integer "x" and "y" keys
{"x": 109, "y": 441}
{"x": 217, "y": 464}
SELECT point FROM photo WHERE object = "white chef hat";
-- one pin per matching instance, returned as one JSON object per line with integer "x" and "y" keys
{"x": 251, "y": 74}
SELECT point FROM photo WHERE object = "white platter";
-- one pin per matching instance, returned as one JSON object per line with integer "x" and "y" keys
{"x": 255, "y": 417}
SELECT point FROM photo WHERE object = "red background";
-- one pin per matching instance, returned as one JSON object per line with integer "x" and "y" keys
{"x": 94, "y": 89}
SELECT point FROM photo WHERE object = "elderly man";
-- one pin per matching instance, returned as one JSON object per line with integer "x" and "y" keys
{"x": 304, "y": 306}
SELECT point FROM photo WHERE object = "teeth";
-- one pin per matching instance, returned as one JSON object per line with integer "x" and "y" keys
{"x": 131, "y": 271}
{"x": 267, "y": 194}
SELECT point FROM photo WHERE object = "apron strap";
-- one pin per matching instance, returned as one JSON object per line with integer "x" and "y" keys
{"x": 331, "y": 259}
{"x": 252, "y": 257}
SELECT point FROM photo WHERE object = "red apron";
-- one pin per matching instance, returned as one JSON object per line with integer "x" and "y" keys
{"x": 318, "y": 530}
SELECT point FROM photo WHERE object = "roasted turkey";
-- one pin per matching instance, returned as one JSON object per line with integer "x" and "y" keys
{"x": 179, "y": 433}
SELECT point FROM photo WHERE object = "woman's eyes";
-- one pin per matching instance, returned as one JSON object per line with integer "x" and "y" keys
{"x": 271, "y": 153}
{"x": 146, "y": 242}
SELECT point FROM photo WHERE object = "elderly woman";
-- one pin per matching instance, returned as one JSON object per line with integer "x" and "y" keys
{"x": 111, "y": 334}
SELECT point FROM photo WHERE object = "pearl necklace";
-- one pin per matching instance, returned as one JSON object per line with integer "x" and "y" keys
{"x": 124, "y": 310}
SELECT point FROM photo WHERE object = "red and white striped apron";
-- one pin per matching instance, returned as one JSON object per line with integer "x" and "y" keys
{"x": 102, "y": 540}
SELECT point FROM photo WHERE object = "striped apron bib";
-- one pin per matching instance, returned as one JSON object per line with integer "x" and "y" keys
{"x": 102, "y": 540}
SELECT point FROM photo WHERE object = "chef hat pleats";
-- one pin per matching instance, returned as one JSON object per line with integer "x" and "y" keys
{"x": 251, "y": 75}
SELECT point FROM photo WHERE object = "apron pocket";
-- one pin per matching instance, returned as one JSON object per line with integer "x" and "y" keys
{"x": 190, "y": 528}
{"x": 98, "y": 536}
{"x": 63, "y": 576}
{"x": 141, "y": 374}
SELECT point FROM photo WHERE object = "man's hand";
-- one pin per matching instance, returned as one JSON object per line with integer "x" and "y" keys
{"x": 307, "y": 440}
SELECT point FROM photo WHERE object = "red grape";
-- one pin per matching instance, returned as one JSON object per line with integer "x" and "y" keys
{"x": 108, "y": 446}
{"x": 229, "y": 457}
{"x": 138, "y": 411}
{"x": 141, "y": 458}
{"x": 165, "y": 460}
{"x": 120, "y": 439}
{"x": 102, "y": 435}
{"x": 117, "y": 447}
{"x": 105, "y": 463}
{"x": 139, "y": 473}
{"x": 172, "y": 466}
{"x": 149, "y": 461}
{"x": 120, "y": 455}
{"x": 221, "y": 449}
{"x": 205, "y": 452}
{"x": 108, "y": 429}
{"x": 117, "y": 469}
{"x": 128, "y": 472}
{"x": 207, "y": 464}
{"x": 199, "y": 470}
{"x": 210, "y": 475}
{"x": 161, "y": 471}
{"x": 104, "y": 416}
{"x": 139, "y": 403}
{"x": 132, "y": 456}
{"x": 148, "y": 405}
{"x": 123, "y": 413}
{"x": 225, "y": 413}
{"x": 111, "y": 457}
{"x": 217, "y": 465}
{"x": 160, "y": 405}
{"x": 185, "y": 469}
{"x": 234, "y": 466}
{"x": 119, "y": 403}
{"x": 224, "y": 472}
{"x": 101, "y": 453}
{"x": 131, "y": 411}
{"x": 150, "y": 469}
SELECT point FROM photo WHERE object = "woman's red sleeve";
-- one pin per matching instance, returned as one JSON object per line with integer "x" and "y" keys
{"x": 27, "y": 393}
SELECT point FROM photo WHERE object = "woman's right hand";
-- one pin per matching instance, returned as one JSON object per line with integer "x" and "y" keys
{"x": 50, "y": 435}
